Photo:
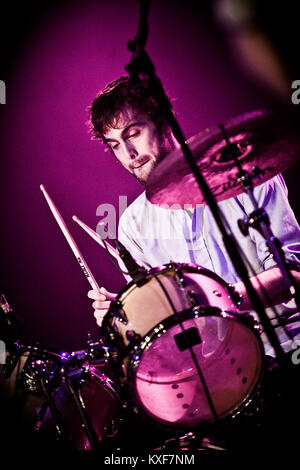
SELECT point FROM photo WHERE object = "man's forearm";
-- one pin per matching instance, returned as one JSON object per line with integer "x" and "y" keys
{"x": 270, "y": 281}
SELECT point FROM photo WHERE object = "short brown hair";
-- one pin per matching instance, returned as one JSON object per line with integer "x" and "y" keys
{"x": 123, "y": 91}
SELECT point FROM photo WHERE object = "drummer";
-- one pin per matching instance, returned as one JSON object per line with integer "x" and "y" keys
{"x": 130, "y": 123}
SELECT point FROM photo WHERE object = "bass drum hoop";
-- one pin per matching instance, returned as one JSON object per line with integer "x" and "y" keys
{"x": 137, "y": 352}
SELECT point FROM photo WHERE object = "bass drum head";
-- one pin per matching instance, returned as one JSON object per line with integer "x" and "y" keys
{"x": 165, "y": 381}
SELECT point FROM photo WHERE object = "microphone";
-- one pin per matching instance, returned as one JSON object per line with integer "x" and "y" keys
{"x": 135, "y": 271}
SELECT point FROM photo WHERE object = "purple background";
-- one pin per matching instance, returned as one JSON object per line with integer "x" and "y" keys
{"x": 57, "y": 64}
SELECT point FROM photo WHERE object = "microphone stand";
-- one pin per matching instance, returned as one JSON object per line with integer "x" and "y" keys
{"x": 141, "y": 65}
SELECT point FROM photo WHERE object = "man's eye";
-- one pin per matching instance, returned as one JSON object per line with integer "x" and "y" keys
{"x": 134, "y": 134}
{"x": 115, "y": 146}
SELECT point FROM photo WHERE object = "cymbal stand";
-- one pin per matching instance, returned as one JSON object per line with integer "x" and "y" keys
{"x": 42, "y": 375}
{"x": 141, "y": 65}
{"x": 260, "y": 221}
{"x": 74, "y": 391}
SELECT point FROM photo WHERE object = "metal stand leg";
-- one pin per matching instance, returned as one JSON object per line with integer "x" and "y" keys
{"x": 42, "y": 377}
{"x": 86, "y": 422}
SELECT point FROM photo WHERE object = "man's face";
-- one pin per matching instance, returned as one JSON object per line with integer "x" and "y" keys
{"x": 136, "y": 143}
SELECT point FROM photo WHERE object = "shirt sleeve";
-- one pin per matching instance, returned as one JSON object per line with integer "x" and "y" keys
{"x": 272, "y": 196}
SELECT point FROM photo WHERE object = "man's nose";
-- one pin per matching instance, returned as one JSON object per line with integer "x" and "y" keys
{"x": 130, "y": 150}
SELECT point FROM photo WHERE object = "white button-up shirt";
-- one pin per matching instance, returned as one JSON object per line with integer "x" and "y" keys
{"x": 155, "y": 236}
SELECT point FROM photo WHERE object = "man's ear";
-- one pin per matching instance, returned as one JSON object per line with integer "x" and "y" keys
{"x": 171, "y": 139}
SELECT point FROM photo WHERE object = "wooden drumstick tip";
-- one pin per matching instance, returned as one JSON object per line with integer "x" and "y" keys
{"x": 42, "y": 187}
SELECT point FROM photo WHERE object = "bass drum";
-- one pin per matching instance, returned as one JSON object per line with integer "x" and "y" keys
{"x": 188, "y": 356}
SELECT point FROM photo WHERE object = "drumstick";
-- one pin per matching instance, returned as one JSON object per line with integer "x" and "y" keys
{"x": 70, "y": 240}
{"x": 97, "y": 238}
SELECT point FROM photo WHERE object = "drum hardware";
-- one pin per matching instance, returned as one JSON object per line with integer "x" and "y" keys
{"x": 259, "y": 219}
{"x": 99, "y": 352}
{"x": 42, "y": 376}
{"x": 155, "y": 359}
{"x": 252, "y": 322}
{"x": 236, "y": 296}
{"x": 253, "y": 220}
{"x": 42, "y": 364}
{"x": 86, "y": 400}
{"x": 27, "y": 384}
{"x": 217, "y": 293}
{"x": 135, "y": 271}
{"x": 72, "y": 400}
{"x": 122, "y": 351}
{"x": 131, "y": 336}
{"x": 197, "y": 312}
{"x": 190, "y": 442}
{"x": 192, "y": 298}
{"x": 73, "y": 386}
{"x": 118, "y": 311}
{"x": 179, "y": 275}
{"x": 32, "y": 374}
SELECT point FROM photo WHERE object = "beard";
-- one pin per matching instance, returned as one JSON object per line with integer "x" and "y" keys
{"x": 164, "y": 150}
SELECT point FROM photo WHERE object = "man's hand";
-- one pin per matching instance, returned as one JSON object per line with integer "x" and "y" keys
{"x": 102, "y": 302}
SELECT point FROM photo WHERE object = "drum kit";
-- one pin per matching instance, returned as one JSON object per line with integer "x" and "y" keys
{"x": 174, "y": 349}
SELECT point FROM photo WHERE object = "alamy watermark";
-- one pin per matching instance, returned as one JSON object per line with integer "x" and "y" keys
{"x": 296, "y": 353}
{"x": 296, "y": 94}
{"x": 163, "y": 222}
{"x": 2, "y": 352}
{"x": 2, "y": 92}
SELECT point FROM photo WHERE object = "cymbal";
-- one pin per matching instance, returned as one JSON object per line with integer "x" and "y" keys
{"x": 266, "y": 142}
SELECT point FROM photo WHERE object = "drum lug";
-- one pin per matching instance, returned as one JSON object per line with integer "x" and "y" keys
{"x": 236, "y": 296}
{"x": 192, "y": 299}
{"x": 179, "y": 277}
{"x": 118, "y": 312}
{"x": 131, "y": 335}
{"x": 85, "y": 373}
{"x": 252, "y": 322}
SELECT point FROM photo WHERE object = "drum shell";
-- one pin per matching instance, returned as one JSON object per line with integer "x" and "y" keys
{"x": 99, "y": 396}
{"x": 146, "y": 306}
{"x": 144, "y": 322}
